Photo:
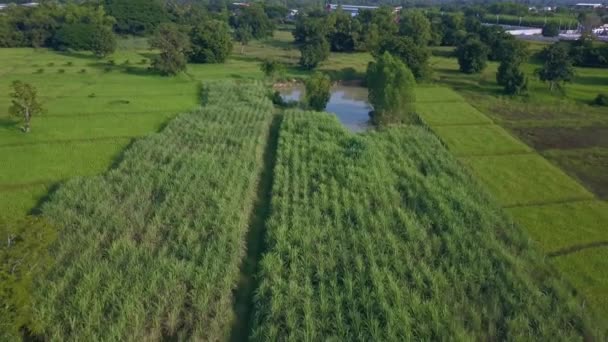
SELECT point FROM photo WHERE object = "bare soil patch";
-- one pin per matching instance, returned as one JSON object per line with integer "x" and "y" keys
{"x": 544, "y": 138}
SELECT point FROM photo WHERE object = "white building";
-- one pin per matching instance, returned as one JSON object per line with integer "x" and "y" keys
{"x": 587, "y": 5}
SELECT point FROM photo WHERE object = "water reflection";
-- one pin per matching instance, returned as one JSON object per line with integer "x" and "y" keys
{"x": 348, "y": 103}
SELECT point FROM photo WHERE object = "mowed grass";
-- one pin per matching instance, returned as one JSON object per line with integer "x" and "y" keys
{"x": 480, "y": 140}
{"x": 151, "y": 249}
{"x": 556, "y": 227}
{"x": 440, "y": 106}
{"x": 517, "y": 180}
{"x": 586, "y": 270}
{"x": 383, "y": 236}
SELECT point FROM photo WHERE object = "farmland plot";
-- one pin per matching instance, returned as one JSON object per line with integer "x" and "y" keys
{"x": 383, "y": 237}
{"x": 151, "y": 249}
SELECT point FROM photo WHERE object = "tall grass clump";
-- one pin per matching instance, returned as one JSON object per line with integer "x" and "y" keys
{"x": 151, "y": 249}
{"x": 383, "y": 237}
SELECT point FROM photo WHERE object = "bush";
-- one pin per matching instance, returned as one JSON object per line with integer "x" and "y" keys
{"x": 83, "y": 71}
{"x": 210, "y": 42}
{"x": 313, "y": 53}
{"x": 69, "y": 64}
{"x": 40, "y": 71}
{"x": 272, "y": 69}
{"x": 472, "y": 56}
{"x": 391, "y": 90}
{"x": 601, "y": 100}
{"x": 143, "y": 61}
{"x": 61, "y": 71}
{"x": 551, "y": 30}
{"x": 317, "y": 91}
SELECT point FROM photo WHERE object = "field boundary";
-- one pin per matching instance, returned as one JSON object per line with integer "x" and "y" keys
{"x": 72, "y": 141}
{"x": 577, "y": 248}
{"x": 255, "y": 246}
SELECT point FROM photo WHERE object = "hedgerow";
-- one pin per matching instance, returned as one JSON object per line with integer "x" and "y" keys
{"x": 151, "y": 249}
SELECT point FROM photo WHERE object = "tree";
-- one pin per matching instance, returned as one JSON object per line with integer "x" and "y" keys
{"x": 210, "y": 42}
{"x": 137, "y": 17}
{"x": 472, "y": 56}
{"x": 24, "y": 103}
{"x": 103, "y": 41}
{"x": 415, "y": 56}
{"x": 550, "y": 29}
{"x": 416, "y": 25}
{"x": 342, "y": 31}
{"x": 272, "y": 68}
{"x": 173, "y": 45}
{"x": 589, "y": 21}
{"x": 391, "y": 90}
{"x": 496, "y": 39}
{"x": 509, "y": 74}
{"x": 317, "y": 91}
{"x": 453, "y": 28}
{"x": 23, "y": 257}
{"x": 557, "y": 68}
{"x": 256, "y": 19}
{"x": 243, "y": 35}
{"x": 313, "y": 53}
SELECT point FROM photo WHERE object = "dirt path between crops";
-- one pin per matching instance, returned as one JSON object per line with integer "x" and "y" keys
{"x": 577, "y": 248}
{"x": 243, "y": 294}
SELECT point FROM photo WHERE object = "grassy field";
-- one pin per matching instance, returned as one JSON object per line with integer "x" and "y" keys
{"x": 382, "y": 236}
{"x": 561, "y": 216}
{"x": 522, "y": 150}
{"x": 152, "y": 249}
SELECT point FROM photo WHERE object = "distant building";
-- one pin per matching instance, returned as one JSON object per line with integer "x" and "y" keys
{"x": 29, "y": 4}
{"x": 587, "y": 5}
{"x": 354, "y": 9}
{"x": 3, "y": 6}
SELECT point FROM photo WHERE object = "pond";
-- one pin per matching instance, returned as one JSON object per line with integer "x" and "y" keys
{"x": 348, "y": 103}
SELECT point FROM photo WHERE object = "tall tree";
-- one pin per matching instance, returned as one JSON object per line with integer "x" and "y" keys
{"x": 210, "y": 42}
{"x": 557, "y": 68}
{"x": 24, "y": 103}
{"x": 243, "y": 35}
{"x": 415, "y": 56}
{"x": 317, "y": 91}
{"x": 472, "y": 56}
{"x": 174, "y": 47}
{"x": 391, "y": 90}
{"x": 509, "y": 74}
{"x": 416, "y": 25}
{"x": 256, "y": 19}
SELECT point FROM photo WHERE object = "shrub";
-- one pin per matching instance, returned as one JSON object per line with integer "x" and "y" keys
{"x": 40, "y": 71}
{"x": 601, "y": 100}
{"x": 51, "y": 64}
{"x": 69, "y": 63}
{"x": 61, "y": 71}
{"x": 472, "y": 56}
{"x": 143, "y": 61}
{"x": 317, "y": 91}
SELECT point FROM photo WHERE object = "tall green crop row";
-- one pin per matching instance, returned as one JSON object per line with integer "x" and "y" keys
{"x": 383, "y": 237}
{"x": 151, "y": 249}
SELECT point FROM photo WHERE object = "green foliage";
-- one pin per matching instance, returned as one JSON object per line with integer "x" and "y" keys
{"x": 23, "y": 257}
{"x": 314, "y": 52}
{"x": 80, "y": 36}
{"x": 601, "y": 100}
{"x": 420, "y": 251}
{"x": 509, "y": 74}
{"x": 415, "y": 55}
{"x": 254, "y": 19}
{"x": 343, "y": 32}
{"x": 174, "y": 45}
{"x": 551, "y": 30}
{"x": 24, "y": 103}
{"x": 416, "y": 25}
{"x": 317, "y": 91}
{"x": 497, "y": 40}
{"x": 453, "y": 28}
{"x": 272, "y": 69}
{"x": 137, "y": 17}
{"x": 391, "y": 90}
{"x": 472, "y": 56}
{"x": 242, "y": 34}
{"x": 210, "y": 42}
{"x": 586, "y": 53}
{"x": 557, "y": 67}
{"x": 153, "y": 247}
